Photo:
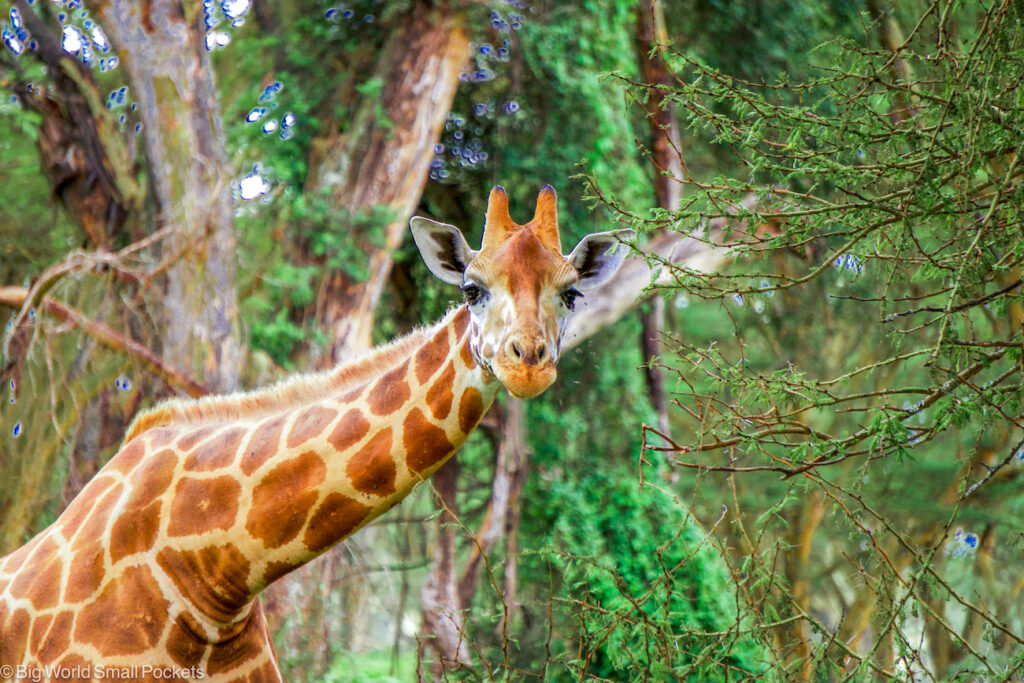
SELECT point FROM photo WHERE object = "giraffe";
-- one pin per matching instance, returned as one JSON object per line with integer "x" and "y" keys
{"x": 154, "y": 570}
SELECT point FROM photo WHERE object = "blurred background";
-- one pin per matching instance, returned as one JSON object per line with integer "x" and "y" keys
{"x": 787, "y": 443}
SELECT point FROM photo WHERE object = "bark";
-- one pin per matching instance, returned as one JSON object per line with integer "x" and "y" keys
{"x": 161, "y": 46}
{"x": 511, "y": 463}
{"x": 383, "y": 159}
{"x": 443, "y": 617}
{"x": 798, "y": 575}
{"x": 88, "y": 162}
{"x": 667, "y": 159}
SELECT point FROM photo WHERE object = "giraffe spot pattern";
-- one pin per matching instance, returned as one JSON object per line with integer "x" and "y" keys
{"x": 337, "y": 516}
{"x": 57, "y": 639}
{"x": 390, "y": 392}
{"x": 128, "y": 457}
{"x": 216, "y": 453}
{"x": 135, "y": 597}
{"x": 235, "y": 651}
{"x": 39, "y": 579}
{"x": 136, "y": 529}
{"x": 203, "y": 505}
{"x": 439, "y": 396}
{"x": 372, "y": 469}
{"x": 74, "y": 516}
{"x": 71, "y": 662}
{"x": 263, "y": 445}
{"x": 282, "y": 500}
{"x": 13, "y": 633}
{"x": 45, "y": 590}
{"x": 431, "y": 355}
{"x": 471, "y": 409}
{"x": 161, "y": 436}
{"x": 352, "y": 427}
{"x": 461, "y": 322}
{"x": 193, "y": 436}
{"x": 39, "y": 628}
{"x": 208, "y": 578}
{"x": 425, "y": 444}
{"x": 85, "y": 573}
{"x": 466, "y": 354}
{"x": 96, "y": 522}
{"x": 183, "y": 647}
{"x": 309, "y": 424}
{"x": 275, "y": 570}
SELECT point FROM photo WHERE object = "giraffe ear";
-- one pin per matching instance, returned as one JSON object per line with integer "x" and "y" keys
{"x": 598, "y": 256}
{"x": 443, "y": 248}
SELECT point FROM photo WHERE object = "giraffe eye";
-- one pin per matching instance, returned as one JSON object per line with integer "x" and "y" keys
{"x": 569, "y": 297}
{"x": 474, "y": 293}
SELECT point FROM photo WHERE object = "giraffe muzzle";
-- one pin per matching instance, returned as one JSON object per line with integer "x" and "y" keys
{"x": 525, "y": 379}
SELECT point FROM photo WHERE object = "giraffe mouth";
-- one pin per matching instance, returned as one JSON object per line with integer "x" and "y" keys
{"x": 525, "y": 381}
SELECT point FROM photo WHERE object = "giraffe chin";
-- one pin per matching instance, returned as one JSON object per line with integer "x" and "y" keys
{"x": 525, "y": 381}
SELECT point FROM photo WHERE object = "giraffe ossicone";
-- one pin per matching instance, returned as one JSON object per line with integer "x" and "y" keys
{"x": 156, "y": 566}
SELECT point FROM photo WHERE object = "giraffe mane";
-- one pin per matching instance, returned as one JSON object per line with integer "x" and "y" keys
{"x": 286, "y": 394}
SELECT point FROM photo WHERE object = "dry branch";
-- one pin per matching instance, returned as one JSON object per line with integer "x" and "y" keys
{"x": 15, "y": 297}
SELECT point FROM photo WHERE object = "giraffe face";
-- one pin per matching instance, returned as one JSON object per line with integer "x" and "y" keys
{"x": 519, "y": 287}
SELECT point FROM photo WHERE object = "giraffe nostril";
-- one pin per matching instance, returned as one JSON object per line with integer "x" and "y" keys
{"x": 516, "y": 350}
{"x": 541, "y": 352}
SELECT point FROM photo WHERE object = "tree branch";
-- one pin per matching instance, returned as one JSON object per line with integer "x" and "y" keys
{"x": 15, "y": 297}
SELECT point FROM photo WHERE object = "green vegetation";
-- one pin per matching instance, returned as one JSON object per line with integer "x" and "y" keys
{"x": 837, "y": 496}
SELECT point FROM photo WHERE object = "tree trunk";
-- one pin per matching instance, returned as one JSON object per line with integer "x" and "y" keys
{"x": 162, "y": 47}
{"x": 667, "y": 159}
{"x": 382, "y": 161}
{"x": 88, "y": 162}
{"x": 443, "y": 618}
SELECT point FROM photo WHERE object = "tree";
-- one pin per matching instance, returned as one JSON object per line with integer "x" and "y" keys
{"x": 869, "y": 408}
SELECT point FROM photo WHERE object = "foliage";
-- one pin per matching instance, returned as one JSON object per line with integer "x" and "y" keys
{"x": 872, "y": 353}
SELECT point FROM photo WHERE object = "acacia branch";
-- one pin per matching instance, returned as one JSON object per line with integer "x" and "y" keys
{"x": 15, "y": 297}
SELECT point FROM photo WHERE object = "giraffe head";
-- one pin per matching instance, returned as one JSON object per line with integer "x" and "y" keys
{"x": 519, "y": 287}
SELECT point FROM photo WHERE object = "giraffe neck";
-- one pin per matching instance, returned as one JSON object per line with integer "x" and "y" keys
{"x": 251, "y": 500}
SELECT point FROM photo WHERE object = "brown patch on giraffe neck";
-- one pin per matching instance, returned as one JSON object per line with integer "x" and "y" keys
{"x": 212, "y": 579}
{"x": 128, "y": 457}
{"x": 440, "y": 396}
{"x": 309, "y": 424}
{"x": 471, "y": 409}
{"x": 337, "y": 516}
{"x": 275, "y": 570}
{"x": 38, "y": 633}
{"x": 216, "y": 453}
{"x": 425, "y": 444}
{"x": 96, "y": 523}
{"x": 390, "y": 392}
{"x": 352, "y": 427}
{"x": 203, "y": 505}
{"x": 372, "y": 469}
{"x": 136, "y": 528}
{"x": 282, "y": 500}
{"x": 193, "y": 436}
{"x": 263, "y": 445}
{"x": 184, "y": 646}
{"x": 39, "y": 581}
{"x": 431, "y": 355}
{"x": 80, "y": 509}
{"x": 57, "y": 639}
{"x": 461, "y": 321}
{"x": 86, "y": 573}
{"x": 135, "y": 598}
{"x": 247, "y": 645}
{"x": 14, "y": 628}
